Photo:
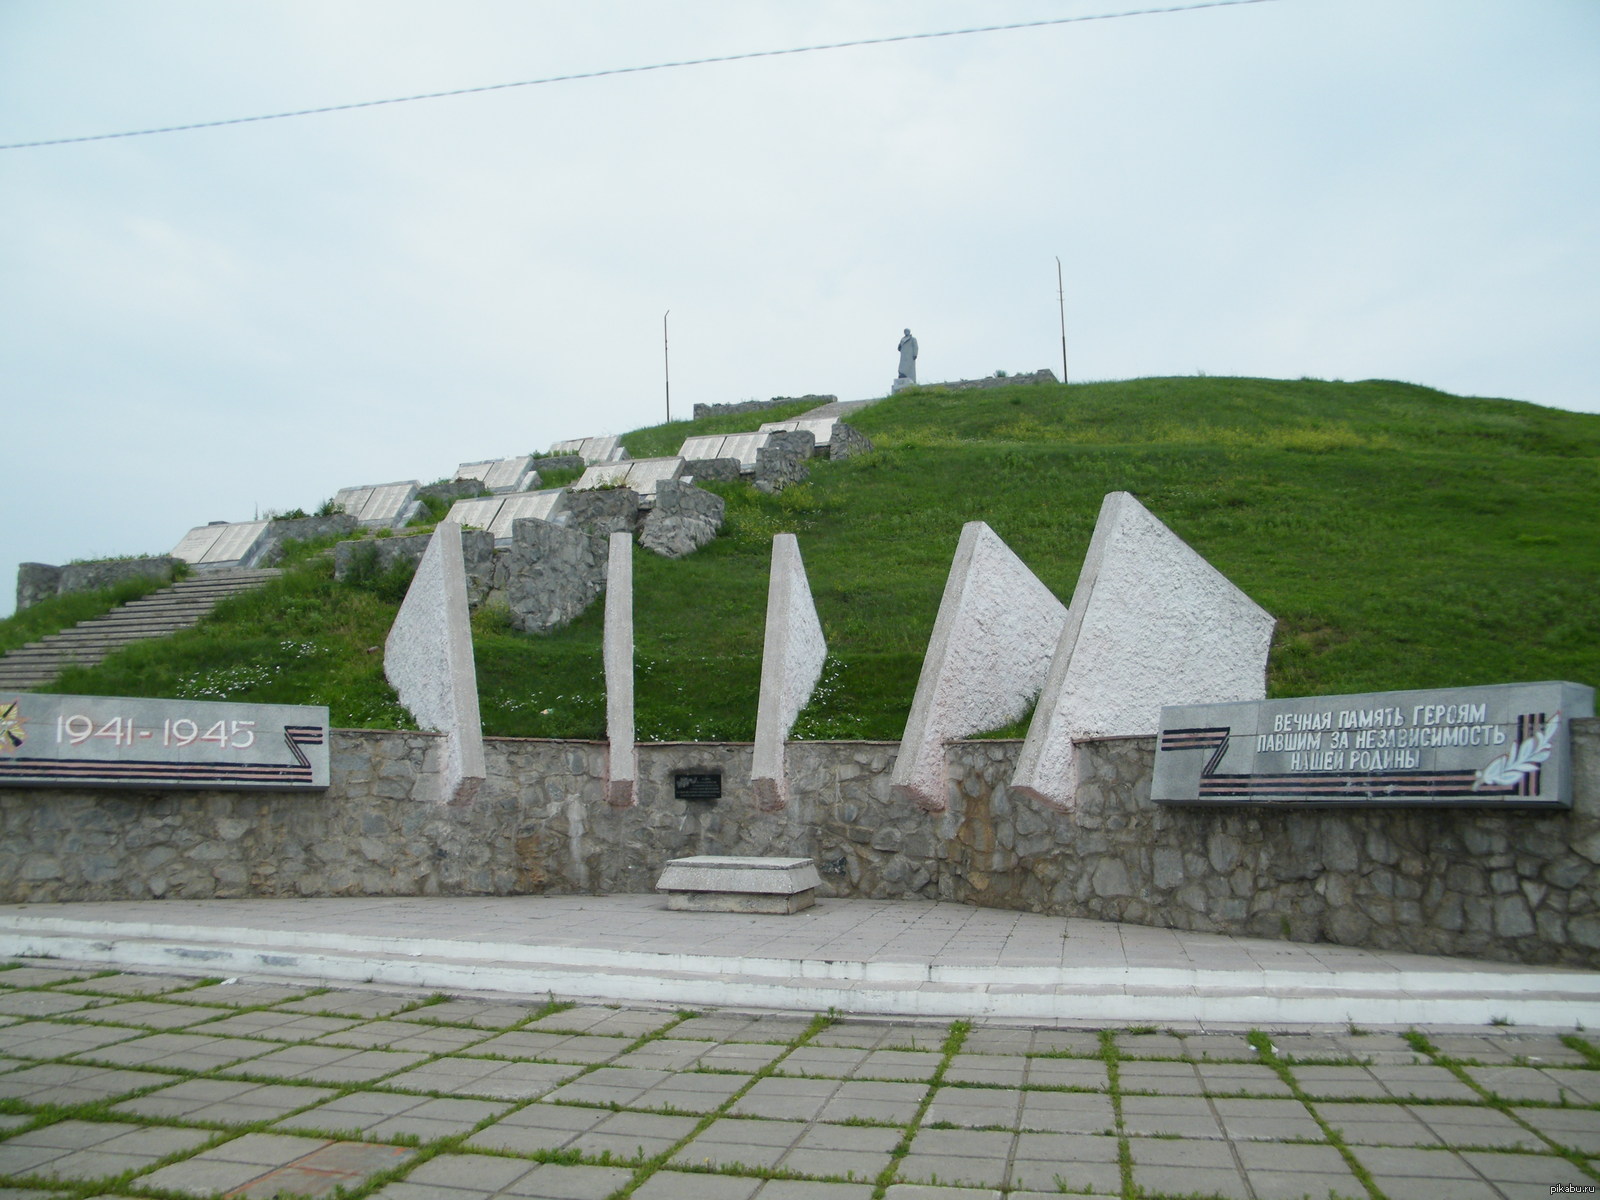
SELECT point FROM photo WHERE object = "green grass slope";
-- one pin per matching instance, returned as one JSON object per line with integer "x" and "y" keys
{"x": 1403, "y": 538}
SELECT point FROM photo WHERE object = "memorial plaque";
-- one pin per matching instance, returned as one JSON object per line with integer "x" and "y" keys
{"x": 692, "y": 785}
{"x": 110, "y": 741}
{"x": 474, "y": 470}
{"x": 508, "y": 474}
{"x": 703, "y": 446}
{"x": 545, "y": 505}
{"x": 352, "y": 500}
{"x": 820, "y": 428}
{"x": 477, "y": 512}
{"x": 192, "y": 549}
{"x": 593, "y": 449}
{"x": 645, "y": 473}
{"x": 1503, "y": 746}
{"x": 388, "y": 503}
{"x": 602, "y": 475}
{"x": 743, "y": 446}
{"x": 234, "y": 542}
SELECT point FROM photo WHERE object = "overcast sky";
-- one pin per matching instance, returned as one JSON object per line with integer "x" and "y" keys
{"x": 201, "y": 325}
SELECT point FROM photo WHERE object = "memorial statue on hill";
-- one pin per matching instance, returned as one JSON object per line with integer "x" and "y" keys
{"x": 908, "y": 363}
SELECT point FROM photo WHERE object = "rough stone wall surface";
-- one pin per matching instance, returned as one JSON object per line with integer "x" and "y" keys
{"x": 40, "y": 581}
{"x": 846, "y": 441}
{"x": 386, "y": 552}
{"x": 782, "y": 461}
{"x": 1514, "y": 886}
{"x": 452, "y": 489}
{"x": 554, "y": 573}
{"x": 702, "y": 411}
{"x": 721, "y": 470}
{"x": 559, "y": 462}
{"x": 299, "y": 529}
{"x": 604, "y": 511}
{"x": 683, "y": 519}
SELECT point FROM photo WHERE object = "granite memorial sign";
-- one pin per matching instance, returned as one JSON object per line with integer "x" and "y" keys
{"x": 112, "y": 741}
{"x": 1502, "y": 746}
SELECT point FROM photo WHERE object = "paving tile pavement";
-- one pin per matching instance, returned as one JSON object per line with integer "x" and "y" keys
{"x": 166, "y": 1086}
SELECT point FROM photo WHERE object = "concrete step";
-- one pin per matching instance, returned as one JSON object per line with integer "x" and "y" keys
{"x": 181, "y": 606}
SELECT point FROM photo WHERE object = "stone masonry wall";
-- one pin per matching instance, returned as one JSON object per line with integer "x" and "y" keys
{"x": 40, "y": 581}
{"x": 1515, "y": 886}
{"x": 701, "y": 411}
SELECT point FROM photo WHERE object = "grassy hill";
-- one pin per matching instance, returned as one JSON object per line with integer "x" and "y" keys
{"x": 1403, "y": 537}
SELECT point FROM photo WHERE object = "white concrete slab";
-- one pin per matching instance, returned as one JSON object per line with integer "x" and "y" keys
{"x": 744, "y": 446}
{"x": 641, "y": 475}
{"x": 428, "y": 659}
{"x": 972, "y": 962}
{"x": 380, "y": 505}
{"x": 546, "y": 505}
{"x": 1151, "y": 623}
{"x": 477, "y": 512}
{"x": 987, "y": 660}
{"x": 622, "y": 769}
{"x": 499, "y": 474}
{"x": 791, "y": 663}
{"x": 820, "y": 428}
{"x": 593, "y": 449}
{"x": 702, "y": 446}
{"x": 222, "y": 544}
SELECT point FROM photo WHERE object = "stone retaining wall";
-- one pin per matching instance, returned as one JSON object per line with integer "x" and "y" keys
{"x": 702, "y": 411}
{"x": 40, "y": 581}
{"x": 1515, "y": 886}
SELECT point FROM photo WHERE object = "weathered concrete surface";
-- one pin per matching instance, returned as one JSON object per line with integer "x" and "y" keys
{"x": 987, "y": 660}
{"x": 617, "y": 654}
{"x": 793, "y": 652}
{"x": 1151, "y": 623}
{"x": 427, "y": 658}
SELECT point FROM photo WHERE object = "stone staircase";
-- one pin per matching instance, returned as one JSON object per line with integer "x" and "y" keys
{"x": 156, "y": 615}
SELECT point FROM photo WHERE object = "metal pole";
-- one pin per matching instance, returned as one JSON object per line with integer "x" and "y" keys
{"x": 1061, "y": 302}
{"x": 666, "y": 364}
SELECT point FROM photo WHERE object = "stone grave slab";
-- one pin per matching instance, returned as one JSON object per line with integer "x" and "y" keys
{"x": 622, "y": 771}
{"x": 987, "y": 660}
{"x": 427, "y": 657}
{"x": 600, "y": 475}
{"x": 791, "y": 663}
{"x": 734, "y": 883}
{"x": 1151, "y": 624}
{"x": 1496, "y": 746}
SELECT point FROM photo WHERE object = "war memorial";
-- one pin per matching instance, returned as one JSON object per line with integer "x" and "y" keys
{"x": 1177, "y": 940}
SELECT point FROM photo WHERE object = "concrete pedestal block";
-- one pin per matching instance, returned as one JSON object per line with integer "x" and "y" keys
{"x": 733, "y": 883}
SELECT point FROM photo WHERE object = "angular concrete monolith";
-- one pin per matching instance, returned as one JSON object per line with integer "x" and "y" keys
{"x": 987, "y": 660}
{"x": 622, "y": 771}
{"x": 791, "y": 663}
{"x": 428, "y": 660}
{"x": 1151, "y": 623}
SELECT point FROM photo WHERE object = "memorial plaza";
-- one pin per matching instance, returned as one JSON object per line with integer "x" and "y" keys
{"x": 597, "y": 1047}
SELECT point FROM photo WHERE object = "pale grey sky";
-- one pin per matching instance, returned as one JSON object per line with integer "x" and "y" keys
{"x": 196, "y": 326}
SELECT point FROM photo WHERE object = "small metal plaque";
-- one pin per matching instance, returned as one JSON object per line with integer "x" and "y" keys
{"x": 688, "y": 785}
{"x": 1500, "y": 746}
{"x": 110, "y": 741}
